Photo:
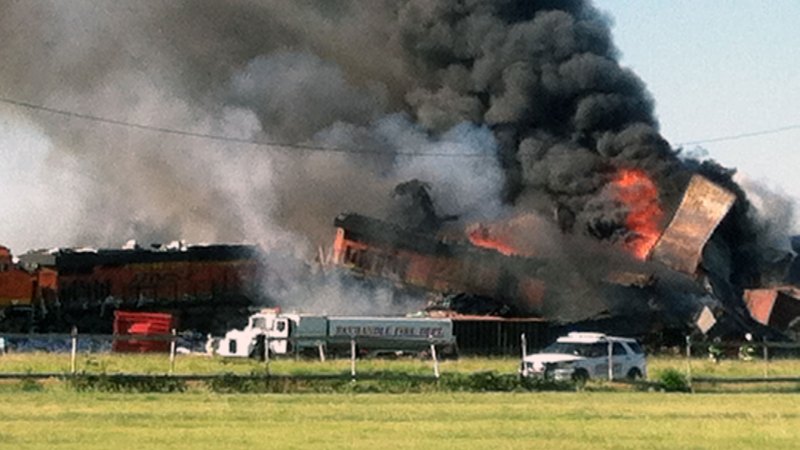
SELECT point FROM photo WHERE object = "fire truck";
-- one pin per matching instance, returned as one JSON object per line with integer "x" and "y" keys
{"x": 304, "y": 333}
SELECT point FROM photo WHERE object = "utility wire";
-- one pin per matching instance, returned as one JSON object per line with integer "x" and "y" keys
{"x": 217, "y": 137}
{"x": 319, "y": 148}
{"x": 741, "y": 135}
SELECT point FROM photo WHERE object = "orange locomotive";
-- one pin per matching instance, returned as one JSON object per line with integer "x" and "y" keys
{"x": 64, "y": 288}
{"x": 19, "y": 287}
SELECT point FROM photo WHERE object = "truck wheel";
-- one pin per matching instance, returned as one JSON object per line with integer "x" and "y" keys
{"x": 634, "y": 374}
{"x": 580, "y": 377}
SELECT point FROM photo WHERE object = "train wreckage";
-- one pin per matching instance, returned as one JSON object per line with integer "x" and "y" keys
{"x": 666, "y": 283}
{"x": 668, "y": 288}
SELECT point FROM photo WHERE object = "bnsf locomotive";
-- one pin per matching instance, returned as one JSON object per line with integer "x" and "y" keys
{"x": 205, "y": 287}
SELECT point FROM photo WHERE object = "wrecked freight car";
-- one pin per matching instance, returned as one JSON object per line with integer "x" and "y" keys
{"x": 660, "y": 284}
{"x": 375, "y": 248}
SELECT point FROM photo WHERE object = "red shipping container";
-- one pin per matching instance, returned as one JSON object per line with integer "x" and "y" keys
{"x": 145, "y": 324}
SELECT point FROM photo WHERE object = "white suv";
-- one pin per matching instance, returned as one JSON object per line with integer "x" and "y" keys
{"x": 581, "y": 356}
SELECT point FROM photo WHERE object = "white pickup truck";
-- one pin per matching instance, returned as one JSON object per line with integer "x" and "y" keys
{"x": 302, "y": 333}
{"x": 583, "y": 356}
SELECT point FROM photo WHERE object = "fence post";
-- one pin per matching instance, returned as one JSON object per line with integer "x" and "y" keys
{"x": 74, "y": 351}
{"x": 610, "y": 361}
{"x": 523, "y": 342}
{"x": 353, "y": 358}
{"x": 689, "y": 360}
{"x": 321, "y": 349}
{"x": 435, "y": 361}
{"x": 172, "y": 352}
{"x": 766, "y": 358}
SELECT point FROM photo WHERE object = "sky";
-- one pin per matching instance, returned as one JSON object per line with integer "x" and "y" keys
{"x": 720, "y": 69}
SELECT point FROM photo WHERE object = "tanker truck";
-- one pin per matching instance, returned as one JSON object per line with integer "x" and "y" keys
{"x": 308, "y": 334}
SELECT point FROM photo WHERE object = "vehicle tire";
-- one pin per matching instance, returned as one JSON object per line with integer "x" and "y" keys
{"x": 257, "y": 352}
{"x": 580, "y": 377}
{"x": 634, "y": 374}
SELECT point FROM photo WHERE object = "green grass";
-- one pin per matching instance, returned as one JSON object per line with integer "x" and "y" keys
{"x": 159, "y": 363}
{"x": 50, "y": 415}
{"x": 60, "y": 419}
{"x": 100, "y": 363}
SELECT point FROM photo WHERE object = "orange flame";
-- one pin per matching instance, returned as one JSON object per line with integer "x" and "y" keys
{"x": 638, "y": 192}
{"x": 480, "y": 237}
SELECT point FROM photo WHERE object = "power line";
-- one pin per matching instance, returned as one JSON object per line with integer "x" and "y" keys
{"x": 319, "y": 148}
{"x": 217, "y": 137}
{"x": 734, "y": 137}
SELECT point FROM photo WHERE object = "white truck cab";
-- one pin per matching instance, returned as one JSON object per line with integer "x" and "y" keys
{"x": 267, "y": 323}
{"x": 580, "y": 356}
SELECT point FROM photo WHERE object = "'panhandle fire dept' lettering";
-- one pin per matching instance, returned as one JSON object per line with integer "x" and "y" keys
{"x": 389, "y": 331}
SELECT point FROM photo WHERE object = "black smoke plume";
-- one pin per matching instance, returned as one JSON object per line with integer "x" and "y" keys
{"x": 534, "y": 86}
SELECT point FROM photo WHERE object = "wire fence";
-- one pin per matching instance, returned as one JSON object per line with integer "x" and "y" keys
{"x": 705, "y": 361}
{"x": 763, "y": 353}
{"x": 175, "y": 345}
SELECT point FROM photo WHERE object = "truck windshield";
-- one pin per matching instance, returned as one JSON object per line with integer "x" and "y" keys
{"x": 260, "y": 322}
{"x": 586, "y": 350}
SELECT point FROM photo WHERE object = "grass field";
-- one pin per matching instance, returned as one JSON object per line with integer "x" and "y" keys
{"x": 58, "y": 419}
{"x": 50, "y": 415}
{"x": 159, "y": 363}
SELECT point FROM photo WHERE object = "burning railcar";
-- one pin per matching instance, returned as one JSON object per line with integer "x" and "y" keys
{"x": 659, "y": 281}
{"x": 204, "y": 286}
{"x": 379, "y": 249}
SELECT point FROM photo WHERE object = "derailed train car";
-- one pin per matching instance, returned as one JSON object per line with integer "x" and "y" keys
{"x": 639, "y": 293}
{"x": 205, "y": 287}
{"x": 376, "y": 248}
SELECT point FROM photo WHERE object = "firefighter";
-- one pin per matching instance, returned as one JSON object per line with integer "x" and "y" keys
{"x": 715, "y": 351}
{"x": 747, "y": 350}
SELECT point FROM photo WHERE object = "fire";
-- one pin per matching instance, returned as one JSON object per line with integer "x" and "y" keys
{"x": 637, "y": 191}
{"x": 480, "y": 237}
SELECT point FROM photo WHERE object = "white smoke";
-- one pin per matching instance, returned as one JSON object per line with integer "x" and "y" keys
{"x": 41, "y": 192}
{"x": 773, "y": 212}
